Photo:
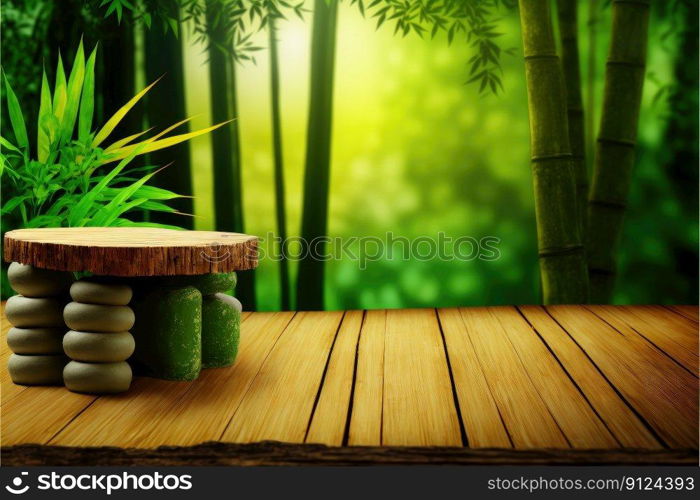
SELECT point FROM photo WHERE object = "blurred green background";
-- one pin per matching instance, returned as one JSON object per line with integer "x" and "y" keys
{"x": 417, "y": 151}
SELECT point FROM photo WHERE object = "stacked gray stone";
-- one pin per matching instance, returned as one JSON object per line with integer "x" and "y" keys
{"x": 37, "y": 318}
{"x": 99, "y": 342}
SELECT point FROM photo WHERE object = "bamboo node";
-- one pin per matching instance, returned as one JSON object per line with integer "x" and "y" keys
{"x": 561, "y": 251}
{"x": 612, "y": 204}
{"x": 619, "y": 142}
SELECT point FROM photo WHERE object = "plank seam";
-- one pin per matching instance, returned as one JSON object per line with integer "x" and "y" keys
{"x": 644, "y": 337}
{"x": 487, "y": 381}
{"x": 64, "y": 426}
{"x": 272, "y": 347}
{"x": 346, "y": 431}
{"x": 573, "y": 381}
{"x": 644, "y": 422}
{"x": 455, "y": 398}
{"x": 679, "y": 313}
{"x": 323, "y": 377}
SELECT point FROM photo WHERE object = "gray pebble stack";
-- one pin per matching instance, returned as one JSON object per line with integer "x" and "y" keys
{"x": 36, "y": 315}
{"x": 99, "y": 341}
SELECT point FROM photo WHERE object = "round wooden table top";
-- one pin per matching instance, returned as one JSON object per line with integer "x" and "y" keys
{"x": 132, "y": 251}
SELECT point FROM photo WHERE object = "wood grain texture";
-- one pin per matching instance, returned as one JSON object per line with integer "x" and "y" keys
{"x": 366, "y": 417}
{"x": 526, "y": 417}
{"x": 281, "y": 399}
{"x": 419, "y": 407}
{"x": 131, "y": 251}
{"x": 663, "y": 393}
{"x": 618, "y": 417}
{"x": 482, "y": 421}
{"x": 690, "y": 312}
{"x": 572, "y": 412}
{"x": 673, "y": 340}
{"x": 37, "y": 414}
{"x": 561, "y": 378}
{"x": 330, "y": 416}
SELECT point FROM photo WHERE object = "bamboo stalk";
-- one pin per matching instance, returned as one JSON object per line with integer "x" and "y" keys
{"x": 567, "y": 11}
{"x": 592, "y": 23}
{"x": 165, "y": 106}
{"x": 615, "y": 149}
{"x": 562, "y": 260}
{"x": 226, "y": 151}
{"x": 318, "y": 150}
{"x": 279, "y": 165}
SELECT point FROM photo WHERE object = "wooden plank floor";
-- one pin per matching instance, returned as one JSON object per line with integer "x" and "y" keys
{"x": 579, "y": 381}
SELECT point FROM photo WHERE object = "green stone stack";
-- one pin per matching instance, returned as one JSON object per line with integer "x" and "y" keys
{"x": 184, "y": 324}
{"x": 38, "y": 328}
{"x": 99, "y": 342}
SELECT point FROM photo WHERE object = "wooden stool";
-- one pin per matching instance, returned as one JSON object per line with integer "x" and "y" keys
{"x": 177, "y": 279}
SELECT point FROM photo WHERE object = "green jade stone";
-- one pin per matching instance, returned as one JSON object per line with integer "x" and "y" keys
{"x": 32, "y": 281}
{"x": 35, "y": 312}
{"x": 221, "y": 327}
{"x": 167, "y": 332}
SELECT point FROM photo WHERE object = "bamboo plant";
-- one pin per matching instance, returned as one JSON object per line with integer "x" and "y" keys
{"x": 615, "y": 149}
{"x": 567, "y": 13}
{"x": 278, "y": 163}
{"x": 314, "y": 222}
{"x": 562, "y": 259}
{"x": 63, "y": 180}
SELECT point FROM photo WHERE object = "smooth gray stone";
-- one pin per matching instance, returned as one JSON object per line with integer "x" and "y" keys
{"x": 98, "y": 318}
{"x": 36, "y": 340}
{"x": 93, "y": 292}
{"x": 32, "y": 281}
{"x": 98, "y": 347}
{"x": 35, "y": 312}
{"x": 37, "y": 370}
{"x": 97, "y": 378}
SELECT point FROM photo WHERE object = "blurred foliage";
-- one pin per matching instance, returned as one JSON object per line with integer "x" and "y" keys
{"x": 416, "y": 152}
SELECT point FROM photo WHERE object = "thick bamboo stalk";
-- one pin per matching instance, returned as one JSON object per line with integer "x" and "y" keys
{"x": 590, "y": 113}
{"x": 612, "y": 174}
{"x": 279, "y": 165}
{"x": 562, "y": 260}
{"x": 318, "y": 151}
{"x": 165, "y": 105}
{"x": 226, "y": 150}
{"x": 567, "y": 11}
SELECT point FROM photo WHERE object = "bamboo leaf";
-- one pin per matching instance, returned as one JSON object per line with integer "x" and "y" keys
{"x": 126, "y": 140}
{"x": 81, "y": 209}
{"x": 73, "y": 91}
{"x": 59, "y": 92}
{"x": 117, "y": 117}
{"x": 148, "y": 147}
{"x": 16, "y": 119}
{"x": 87, "y": 100}
{"x": 43, "y": 141}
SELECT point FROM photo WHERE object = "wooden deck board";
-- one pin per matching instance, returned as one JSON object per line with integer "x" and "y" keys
{"x": 563, "y": 378}
{"x": 663, "y": 393}
{"x": 526, "y": 417}
{"x": 279, "y": 404}
{"x": 482, "y": 421}
{"x": 618, "y": 417}
{"x": 419, "y": 408}
{"x": 368, "y": 398}
{"x": 572, "y": 412}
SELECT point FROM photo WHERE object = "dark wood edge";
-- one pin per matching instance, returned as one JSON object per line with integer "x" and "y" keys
{"x": 276, "y": 453}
